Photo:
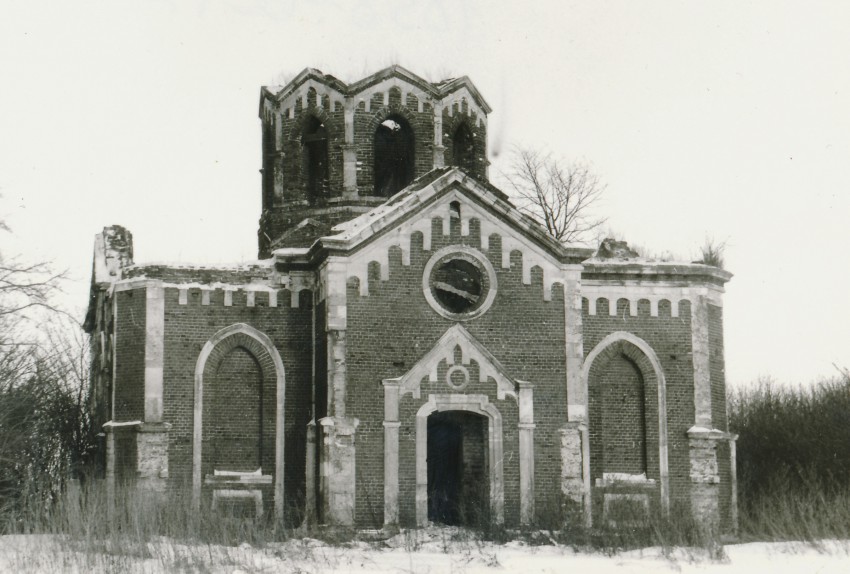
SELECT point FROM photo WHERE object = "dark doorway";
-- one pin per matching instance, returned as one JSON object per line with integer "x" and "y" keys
{"x": 458, "y": 478}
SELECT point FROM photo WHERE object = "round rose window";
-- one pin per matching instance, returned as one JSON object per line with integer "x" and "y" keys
{"x": 459, "y": 282}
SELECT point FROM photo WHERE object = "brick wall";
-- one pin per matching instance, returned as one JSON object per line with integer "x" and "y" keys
{"x": 101, "y": 341}
{"x": 716, "y": 367}
{"x": 719, "y": 417}
{"x": 393, "y": 327}
{"x": 670, "y": 338}
{"x": 125, "y": 456}
{"x": 478, "y": 165}
{"x": 294, "y": 178}
{"x": 238, "y": 415}
{"x": 617, "y": 425}
{"x": 130, "y": 348}
{"x": 187, "y": 329}
{"x": 724, "y": 467}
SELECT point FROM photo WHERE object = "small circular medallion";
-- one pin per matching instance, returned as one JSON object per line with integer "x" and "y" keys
{"x": 457, "y": 377}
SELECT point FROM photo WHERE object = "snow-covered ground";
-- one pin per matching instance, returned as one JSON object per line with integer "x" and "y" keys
{"x": 409, "y": 553}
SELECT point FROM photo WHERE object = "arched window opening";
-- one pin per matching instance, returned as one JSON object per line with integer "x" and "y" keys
{"x": 463, "y": 148}
{"x": 314, "y": 159}
{"x": 394, "y": 149}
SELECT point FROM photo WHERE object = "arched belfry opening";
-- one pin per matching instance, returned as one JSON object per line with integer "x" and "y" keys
{"x": 458, "y": 475}
{"x": 314, "y": 159}
{"x": 463, "y": 148}
{"x": 394, "y": 155}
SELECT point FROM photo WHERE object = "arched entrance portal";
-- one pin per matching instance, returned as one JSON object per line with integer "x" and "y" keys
{"x": 458, "y": 492}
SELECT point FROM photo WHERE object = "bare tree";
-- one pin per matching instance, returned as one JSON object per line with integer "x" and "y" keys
{"x": 560, "y": 195}
{"x": 45, "y": 430}
{"x": 25, "y": 286}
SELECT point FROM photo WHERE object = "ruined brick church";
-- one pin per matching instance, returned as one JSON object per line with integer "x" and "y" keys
{"x": 409, "y": 348}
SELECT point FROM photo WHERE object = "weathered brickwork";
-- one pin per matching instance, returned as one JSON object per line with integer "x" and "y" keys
{"x": 394, "y": 326}
{"x": 350, "y": 116}
{"x": 125, "y": 456}
{"x": 618, "y": 421}
{"x": 188, "y": 328}
{"x": 725, "y": 494}
{"x": 399, "y": 295}
{"x": 670, "y": 338}
{"x": 717, "y": 369}
{"x": 130, "y": 346}
{"x": 474, "y": 159}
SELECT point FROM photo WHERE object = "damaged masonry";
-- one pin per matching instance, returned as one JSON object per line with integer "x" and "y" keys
{"x": 409, "y": 348}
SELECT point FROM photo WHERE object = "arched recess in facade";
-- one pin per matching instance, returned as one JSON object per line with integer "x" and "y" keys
{"x": 214, "y": 351}
{"x": 641, "y": 355}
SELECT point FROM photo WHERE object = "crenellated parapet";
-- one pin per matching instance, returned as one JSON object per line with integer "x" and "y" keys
{"x": 637, "y": 288}
{"x": 255, "y": 284}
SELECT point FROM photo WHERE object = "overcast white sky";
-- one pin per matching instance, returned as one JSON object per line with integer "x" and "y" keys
{"x": 722, "y": 118}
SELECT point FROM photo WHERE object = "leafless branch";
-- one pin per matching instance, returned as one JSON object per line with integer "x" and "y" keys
{"x": 561, "y": 196}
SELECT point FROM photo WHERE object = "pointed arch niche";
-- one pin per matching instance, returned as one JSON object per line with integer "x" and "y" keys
{"x": 247, "y": 341}
{"x": 631, "y": 358}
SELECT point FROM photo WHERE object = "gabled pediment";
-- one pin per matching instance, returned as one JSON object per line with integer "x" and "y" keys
{"x": 444, "y": 350}
{"x": 432, "y": 194}
{"x": 446, "y": 196}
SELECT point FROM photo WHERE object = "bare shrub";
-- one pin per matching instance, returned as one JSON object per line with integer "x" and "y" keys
{"x": 793, "y": 459}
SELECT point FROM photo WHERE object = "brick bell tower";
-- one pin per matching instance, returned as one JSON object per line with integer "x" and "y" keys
{"x": 332, "y": 151}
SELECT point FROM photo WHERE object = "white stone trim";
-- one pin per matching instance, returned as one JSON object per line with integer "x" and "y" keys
{"x": 478, "y": 404}
{"x": 701, "y": 357}
{"x": 635, "y": 290}
{"x": 512, "y": 239}
{"x": 643, "y": 346}
{"x": 489, "y": 367}
{"x": 154, "y": 351}
{"x": 574, "y": 344}
{"x": 197, "y": 435}
{"x": 526, "y": 452}
{"x": 444, "y": 350}
{"x": 733, "y": 467}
